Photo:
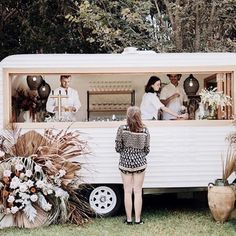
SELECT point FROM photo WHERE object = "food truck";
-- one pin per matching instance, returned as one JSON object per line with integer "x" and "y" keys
{"x": 185, "y": 155}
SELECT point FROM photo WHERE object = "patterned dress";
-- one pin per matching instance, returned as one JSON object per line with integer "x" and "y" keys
{"x": 133, "y": 148}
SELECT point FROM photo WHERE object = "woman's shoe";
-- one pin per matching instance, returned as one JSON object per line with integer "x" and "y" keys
{"x": 128, "y": 222}
{"x": 139, "y": 223}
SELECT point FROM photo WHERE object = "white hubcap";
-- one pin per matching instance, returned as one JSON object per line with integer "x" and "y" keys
{"x": 103, "y": 200}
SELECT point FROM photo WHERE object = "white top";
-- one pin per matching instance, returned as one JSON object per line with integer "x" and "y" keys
{"x": 150, "y": 106}
{"x": 71, "y": 101}
{"x": 176, "y": 103}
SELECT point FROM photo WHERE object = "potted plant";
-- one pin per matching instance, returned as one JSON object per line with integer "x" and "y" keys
{"x": 221, "y": 196}
{"x": 212, "y": 100}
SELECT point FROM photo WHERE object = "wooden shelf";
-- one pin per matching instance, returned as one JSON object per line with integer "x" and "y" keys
{"x": 130, "y": 102}
{"x": 107, "y": 110}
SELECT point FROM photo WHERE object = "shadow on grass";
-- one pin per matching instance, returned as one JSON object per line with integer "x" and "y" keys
{"x": 166, "y": 203}
{"x": 173, "y": 203}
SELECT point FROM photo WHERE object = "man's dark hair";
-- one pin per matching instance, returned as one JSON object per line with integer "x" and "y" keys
{"x": 179, "y": 76}
{"x": 65, "y": 76}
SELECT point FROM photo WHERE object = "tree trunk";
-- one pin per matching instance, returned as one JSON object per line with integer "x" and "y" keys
{"x": 197, "y": 30}
{"x": 175, "y": 20}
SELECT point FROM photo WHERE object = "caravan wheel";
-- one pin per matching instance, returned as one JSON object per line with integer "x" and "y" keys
{"x": 105, "y": 200}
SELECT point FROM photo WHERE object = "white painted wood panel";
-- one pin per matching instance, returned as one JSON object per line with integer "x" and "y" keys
{"x": 130, "y": 62}
{"x": 180, "y": 156}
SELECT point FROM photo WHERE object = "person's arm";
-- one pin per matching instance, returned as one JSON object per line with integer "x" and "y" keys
{"x": 76, "y": 102}
{"x": 119, "y": 142}
{"x": 166, "y": 109}
{"x": 167, "y": 100}
{"x": 147, "y": 143}
{"x": 185, "y": 104}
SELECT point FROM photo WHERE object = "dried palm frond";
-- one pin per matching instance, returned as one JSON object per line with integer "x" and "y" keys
{"x": 28, "y": 143}
{"x": 79, "y": 210}
{"x": 229, "y": 163}
{"x": 9, "y": 138}
{"x": 232, "y": 138}
{"x": 22, "y": 220}
{"x": 67, "y": 145}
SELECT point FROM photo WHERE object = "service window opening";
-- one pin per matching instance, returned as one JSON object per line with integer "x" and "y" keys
{"x": 102, "y": 97}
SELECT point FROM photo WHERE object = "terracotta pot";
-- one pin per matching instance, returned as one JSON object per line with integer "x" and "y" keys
{"x": 221, "y": 201}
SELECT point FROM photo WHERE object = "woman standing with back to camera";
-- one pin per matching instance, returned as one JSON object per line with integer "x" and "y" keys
{"x": 133, "y": 142}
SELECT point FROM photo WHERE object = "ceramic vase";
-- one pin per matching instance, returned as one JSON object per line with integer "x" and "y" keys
{"x": 212, "y": 113}
{"x": 221, "y": 199}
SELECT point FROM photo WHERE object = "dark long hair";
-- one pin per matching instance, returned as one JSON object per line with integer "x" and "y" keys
{"x": 151, "y": 81}
{"x": 134, "y": 120}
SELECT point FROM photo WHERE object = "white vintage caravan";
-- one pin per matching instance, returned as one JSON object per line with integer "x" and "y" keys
{"x": 185, "y": 154}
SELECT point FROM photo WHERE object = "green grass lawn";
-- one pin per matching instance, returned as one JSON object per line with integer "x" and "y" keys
{"x": 162, "y": 215}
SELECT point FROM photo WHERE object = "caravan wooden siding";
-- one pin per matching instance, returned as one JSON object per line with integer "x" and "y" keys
{"x": 182, "y": 156}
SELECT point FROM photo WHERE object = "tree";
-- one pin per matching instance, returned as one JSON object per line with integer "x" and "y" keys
{"x": 104, "y": 26}
{"x": 202, "y": 25}
{"x": 35, "y": 26}
{"x": 110, "y": 26}
{"x": 161, "y": 25}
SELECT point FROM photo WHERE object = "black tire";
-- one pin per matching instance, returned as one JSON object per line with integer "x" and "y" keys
{"x": 105, "y": 200}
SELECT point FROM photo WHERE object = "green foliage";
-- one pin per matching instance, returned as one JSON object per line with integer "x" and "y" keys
{"x": 110, "y": 26}
{"x": 203, "y": 25}
{"x": 104, "y": 26}
{"x": 29, "y": 26}
{"x": 164, "y": 25}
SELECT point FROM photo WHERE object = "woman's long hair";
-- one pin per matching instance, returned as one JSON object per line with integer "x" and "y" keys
{"x": 134, "y": 120}
{"x": 151, "y": 81}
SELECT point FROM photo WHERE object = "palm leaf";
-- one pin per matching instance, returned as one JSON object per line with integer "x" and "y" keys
{"x": 28, "y": 143}
{"x": 229, "y": 163}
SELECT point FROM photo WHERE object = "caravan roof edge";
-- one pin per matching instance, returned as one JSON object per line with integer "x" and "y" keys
{"x": 139, "y": 60}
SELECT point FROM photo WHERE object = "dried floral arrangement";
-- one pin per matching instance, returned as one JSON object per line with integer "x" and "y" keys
{"x": 215, "y": 98}
{"x": 39, "y": 180}
{"x": 27, "y": 101}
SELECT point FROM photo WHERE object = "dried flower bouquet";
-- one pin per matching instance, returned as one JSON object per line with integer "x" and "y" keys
{"x": 38, "y": 180}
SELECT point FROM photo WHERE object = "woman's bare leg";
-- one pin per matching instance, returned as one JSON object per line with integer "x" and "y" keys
{"x": 128, "y": 186}
{"x": 138, "y": 201}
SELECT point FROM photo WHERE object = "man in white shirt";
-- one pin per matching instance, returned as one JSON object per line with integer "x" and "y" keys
{"x": 70, "y": 102}
{"x": 173, "y": 96}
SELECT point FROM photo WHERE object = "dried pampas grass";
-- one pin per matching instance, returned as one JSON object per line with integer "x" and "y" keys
{"x": 229, "y": 163}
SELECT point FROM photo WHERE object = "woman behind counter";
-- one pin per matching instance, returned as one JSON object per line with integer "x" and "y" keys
{"x": 132, "y": 142}
{"x": 151, "y": 104}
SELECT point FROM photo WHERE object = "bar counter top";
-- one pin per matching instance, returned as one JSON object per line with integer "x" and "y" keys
{"x": 115, "y": 124}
